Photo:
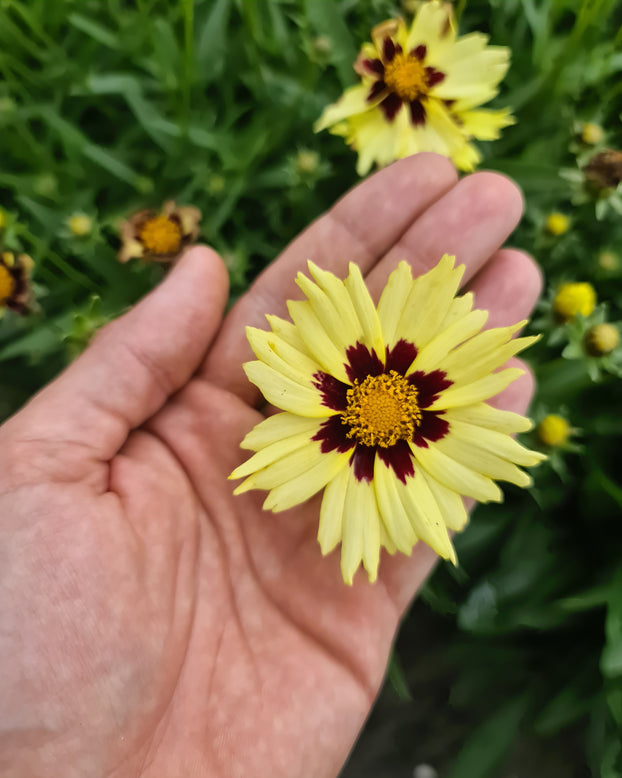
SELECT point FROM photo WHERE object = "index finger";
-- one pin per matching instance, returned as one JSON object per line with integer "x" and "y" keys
{"x": 360, "y": 228}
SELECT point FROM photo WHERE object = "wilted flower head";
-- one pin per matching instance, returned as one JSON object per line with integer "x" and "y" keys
{"x": 15, "y": 289}
{"x": 604, "y": 170}
{"x": 159, "y": 236}
{"x": 384, "y": 407}
{"x": 574, "y": 298}
{"x": 421, "y": 88}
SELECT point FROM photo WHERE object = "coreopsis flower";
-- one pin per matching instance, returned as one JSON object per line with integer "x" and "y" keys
{"x": 574, "y": 298}
{"x": 421, "y": 88}
{"x": 557, "y": 223}
{"x": 384, "y": 408}
{"x": 15, "y": 288}
{"x": 159, "y": 236}
{"x": 554, "y": 430}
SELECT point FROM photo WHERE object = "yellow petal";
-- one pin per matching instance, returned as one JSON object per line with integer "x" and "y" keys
{"x": 287, "y": 332}
{"x": 477, "y": 391}
{"x": 465, "y": 365}
{"x": 472, "y": 69}
{"x": 433, "y": 26}
{"x": 284, "y": 469}
{"x": 365, "y": 310}
{"x": 430, "y": 356}
{"x": 449, "y": 502}
{"x": 272, "y": 453}
{"x": 391, "y": 508}
{"x": 497, "y": 443}
{"x": 317, "y": 340}
{"x": 392, "y": 301}
{"x": 457, "y": 476}
{"x": 278, "y": 354}
{"x": 425, "y": 515}
{"x": 361, "y": 530}
{"x": 285, "y": 393}
{"x": 307, "y": 483}
{"x": 483, "y": 124}
{"x": 331, "y": 512}
{"x": 459, "y": 307}
{"x": 353, "y": 101}
{"x": 481, "y": 460}
{"x": 276, "y": 428}
{"x": 429, "y": 301}
{"x": 483, "y": 415}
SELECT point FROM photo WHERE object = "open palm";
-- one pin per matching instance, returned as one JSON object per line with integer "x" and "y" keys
{"x": 152, "y": 623}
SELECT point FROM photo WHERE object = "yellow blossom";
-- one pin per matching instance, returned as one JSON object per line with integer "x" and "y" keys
{"x": 592, "y": 133}
{"x": 421, "y": 89}
{"x": 384, "y": 408}
{"x": 557, "y": 223}
{"x": 159, "y": 236}
{"x": 15, "y": 287}
{"x": 554, "y": 430}
{"x": 574, "y": 298}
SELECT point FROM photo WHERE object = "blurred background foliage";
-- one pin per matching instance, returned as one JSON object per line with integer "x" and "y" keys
{"x": 510, "y": 665}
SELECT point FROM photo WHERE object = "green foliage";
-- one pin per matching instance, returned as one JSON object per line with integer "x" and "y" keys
{"x": 108, "y": 106}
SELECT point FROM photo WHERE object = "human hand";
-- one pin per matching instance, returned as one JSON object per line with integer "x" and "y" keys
{"x": 155, "y": 625}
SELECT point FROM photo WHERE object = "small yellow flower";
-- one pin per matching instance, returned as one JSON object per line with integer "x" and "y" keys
{"x": 159, "y": 236}
{"x": 557, "y": 223}
{"x": 384, "y": 408}
{"x": 421, "y": 88}
{"x": 601, "y": 339}
{"x": 591, "y": 133}
{"x": 554, "y": 430}
{"x": 80, "y": 224}
{"x": 15, "y": 289}
{"x": 574, "y": 298}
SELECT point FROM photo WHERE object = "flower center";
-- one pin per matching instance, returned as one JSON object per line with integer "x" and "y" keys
{"x": 161, "y": 235}
{"x": 382, "y": 410}
{"x": 7, "y": 284}
{"x": 405, "y": 76}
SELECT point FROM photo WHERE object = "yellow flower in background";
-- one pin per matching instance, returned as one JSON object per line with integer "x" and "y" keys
{"x": 159, "y": 236}
{"x": 385, "y": 409}
{"x": 554, "y": 430}
{"x": 421, "y": 88}
{"x": 592, "y": 134}
{"x": 15, "y": 287}
{"x": 573, "y": 298}
{"x": 557, "y": 223}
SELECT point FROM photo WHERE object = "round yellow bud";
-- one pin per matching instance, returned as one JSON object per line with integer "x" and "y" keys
{"x": 592, "y": 133}
{"x": 601, "y": 339}
{"x": 80, "y": 224}
{"x": 307, "y": 161}
{"x": 607, "y": 260}
{"x": 574, "y": 298}
{"x": 557, "y": 223}
{"x": 554, "y": 430}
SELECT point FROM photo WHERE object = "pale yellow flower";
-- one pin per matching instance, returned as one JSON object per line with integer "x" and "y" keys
{"x": 385, "y": 409}
{"x": 421, "y": 88}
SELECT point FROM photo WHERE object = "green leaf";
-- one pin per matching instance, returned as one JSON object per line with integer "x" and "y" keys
{"x": 611, "y": 658}
{"x": 328, "y": 22}
{"x": 211, "y": 46}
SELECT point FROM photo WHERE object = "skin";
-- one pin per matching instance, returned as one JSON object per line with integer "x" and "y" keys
{"x": 155, "y": 625}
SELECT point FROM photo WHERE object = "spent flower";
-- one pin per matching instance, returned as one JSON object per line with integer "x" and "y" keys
{"x": 159, "y": 235}
{"x": 421, "y": 90}
{"x": 385, "y": 408}
{"x": 15, "y": 286}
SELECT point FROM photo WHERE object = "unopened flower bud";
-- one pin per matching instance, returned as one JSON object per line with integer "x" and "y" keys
{"x": 601, "y": 339}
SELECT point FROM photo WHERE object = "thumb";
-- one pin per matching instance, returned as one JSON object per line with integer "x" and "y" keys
{"x": 133, "y": 364}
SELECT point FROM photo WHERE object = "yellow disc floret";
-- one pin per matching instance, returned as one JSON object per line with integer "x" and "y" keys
{"x": 574, "y": 298}
{"x": 382, "y": 410}
{"x": 161, "y": 235}
{"x": 405, "y": 76}
{"x": 601, "y": 339}
{"x": 7, "y": 284}
{"x": 554, "y": 430}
